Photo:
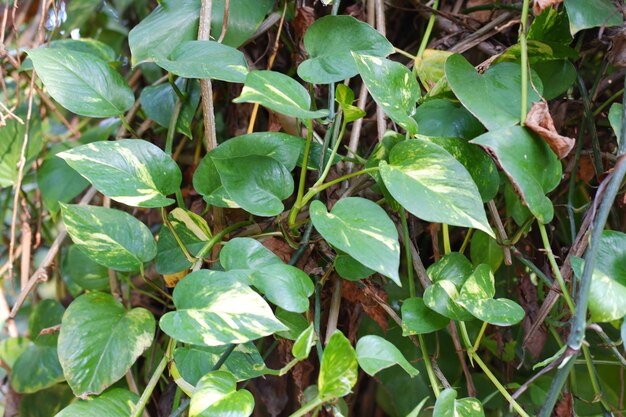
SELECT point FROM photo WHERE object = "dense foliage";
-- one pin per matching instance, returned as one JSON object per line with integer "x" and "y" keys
{"x": 206, "y": 214}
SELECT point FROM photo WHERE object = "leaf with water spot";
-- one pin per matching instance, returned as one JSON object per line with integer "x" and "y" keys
{"x": 363, "y": 230}
{"x": 131, "y": 171}
{"x": 100, "y": 340}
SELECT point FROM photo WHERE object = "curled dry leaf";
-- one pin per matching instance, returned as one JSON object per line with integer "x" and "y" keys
{"x": 540, "y": 122}
{"x": 540, "y": 5}
{"x": 617, "y": 53}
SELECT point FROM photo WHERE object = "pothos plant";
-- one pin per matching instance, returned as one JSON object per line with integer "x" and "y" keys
{"x": 160, "y": 297}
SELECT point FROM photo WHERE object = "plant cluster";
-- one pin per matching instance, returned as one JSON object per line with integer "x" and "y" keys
{"x": 442, "y": 249}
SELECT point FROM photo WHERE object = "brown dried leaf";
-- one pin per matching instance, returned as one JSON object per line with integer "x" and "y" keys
{"x": 529, "y": 301}
{"x": 617, "y": 54}
{"x": 279, "y": 247}
{"x": 540, "y": 122}
{"x": 172, "y": 279}
{"x": 540, "y": 5}
{"x": 565, "y": 407}
{"x": 351, "y": 292}
{"x": 305, "y": 16}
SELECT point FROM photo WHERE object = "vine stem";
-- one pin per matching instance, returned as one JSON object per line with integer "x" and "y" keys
{"x": 204, "y": 31}
{"x": 154, "y": 379}
{"x": 308, "y": 407}
{"x": 555, "y": 267}
{"x": 407, "y": 252}
{"x": 524, "y": 61}
{"x": 446, "y": 238}
{"x": 429, "y": 366}
{"x": 428, "y": 31}
{"x": 301, "y": 184}
{"x": 215, "y": 240}
{"x": 499, "y": 386}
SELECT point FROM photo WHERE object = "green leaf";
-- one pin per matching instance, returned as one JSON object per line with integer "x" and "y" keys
{"x": 556, "y": 76}
{"x": 349, "y": 268}
{"x": 11, "y": 141}
{"x": 608, "y": 280}
{"x": 442, "y": 297}
{"x": 176, "y": 21}
{"x": 285, "y": 286}
{"x": 131, "y": 171}
{"x": 280, "y": 93}
{"x": 375, "y": 354}
{"x": 82, "y": 83}
{"x": 80, "y": 269}
{"x": 433, "y": 186}
{"x": 530, "y": 164}
{"x": 302, "y": 346}
{"x": 448, "y": 406}
{"x": 110, "y": 237}
{"x": 100, "y": 340}
{"x": 477, "y": 297}
{"x": 193, "y": 362}
{"x": 158, "y": 101}
{"x": 493, "y": 97}
{"x": 91, "y": 46}
{"x": 417, "y": 318}
{"x": 345, "y": 97}
{"x": 329, "y": 42}
{"x": 443, "y": 118}
{"x": 550, "y": 26}
{"x": 485, "y": 250}
{"x": 257, "y": 184}
{"x": 589, "y": 14}
{"x": 57, "y": 181}
{"x": 615, "y": 119}
{"x": 216, "y": 395}
{"x": 296, "y": 323}
{"x": 430, "y": 67}
{"x": 479, "y": 165}
{"x": 47, "y": 402}
{"x": 453, "y": 267}
{"x": 36, "y": 369}
{"x": 206, "y": 60}
{"x": 12, "y": 348}
{"x": 339, "y": 368}
{"x": 363, "y": 230}
{"x": 214, "y": 309}
{"x": 46, "y": 314}
{"x": 247, "y": 253}
{"x": 393, "y": 87}
{"x": 281, "y": 147}
{"x": 115, "y": 402}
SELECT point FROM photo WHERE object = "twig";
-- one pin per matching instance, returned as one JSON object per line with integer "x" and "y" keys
{"x": 381, "y": 119}
{"x": 501, "y": 232}
{"x": 333, "y": 313}
{"x": 224, "y": 20}
{"x": 41, "y": 274}
{"x": 204, "y": 31}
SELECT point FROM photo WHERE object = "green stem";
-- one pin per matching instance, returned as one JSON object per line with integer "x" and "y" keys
{"x": 177, "y": 238}
{"x": 428, "y": 31}
{"x": 595, "y": 384}
{"x": 154, "y": 379}
{"x": 127, "y": 126}
{"x": 524, "y": 61}
{"x": 555, "y": 267}
{"x": 407, "y": 252}
{"x": 446, "y": 239}
{"x": 465, "y": 337}
{"x": 218, "y": 238}
{"x": 429, "y": 366}
{"x": 466, "y": 241}
{"x": 500, "y": 387}
{"x": 479, "y": 338}
{"x": 171, "y": 129}
{"x": 405, "y": 53}
{"x": 307, "y": 408}
{"x": 305, "y": 161}
{"x": 332, "y": 155}
{"x": 179, "y": 199}
{"x": 179, "y": 94}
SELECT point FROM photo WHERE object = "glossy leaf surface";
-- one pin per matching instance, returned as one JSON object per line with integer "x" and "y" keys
{"x": 216, "y": 394}
{"x": 339, "y": 368}
{"x": 375, "y": 354}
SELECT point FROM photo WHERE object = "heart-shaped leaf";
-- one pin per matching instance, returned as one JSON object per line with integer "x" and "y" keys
{"x": 585, "y": 14}
{"x": 206, "y": 59}
{"x": 493, "y": 97}
{"x": 393, "y": 87}
{"x": 131, "y": 171}
{"x": 339, "y": 368}
{"x": 283, "y": 148}
{"x": 11, "y": 140}
{"x": 280, "y": 93}
{"x": 479, "y": 165}
{"x": 110, "y": 237}
{"x": 329, "y": 42}
{"x": 47, "y": 402}
{"x": 91, "y": 46}
{"x": 116, "y": 402}
{"x": 442, "y": 297}
{"x": 417, "y": 318}
{"x": 80, "y": 269}
{"x": 485, "y": 250}
{"x": 344, "y": 96}
{"x": 216, "y": 394}
{"x": 158, "y": 101}
{"x": 375, "y": 354}
{"x": 363, "y": 230}
{"x": 82, "y": 83}
{"x": 443, "y": 118}
{"x": 432, "y": 185}
{"x": 477, "y": 297}
{"x": 247, "y": 253}
{"x": 349, "y": 268}
{"x": 193, "y": 362}
{"x": 530, "y": 164}
{"x": 214, "y": 308}
{"x": 257, "y": 184}
{"x": 302, "y": 345}
{"x": 448, "y": 406}
{"x": 100, "y": 340}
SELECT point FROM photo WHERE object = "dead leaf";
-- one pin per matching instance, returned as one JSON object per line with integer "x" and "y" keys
{"x": 172, "y": 279}
{"x": 540, "y": 5}
{"x": 351, "y": 292}
{"x": 540, "y": 122}
{"x": 305, "y": 16}
{"x": 565, "y": 407}
{"x": 617, "y": 53}
{"x": 279, "y": 247}
{"x": 482, "y": 16}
